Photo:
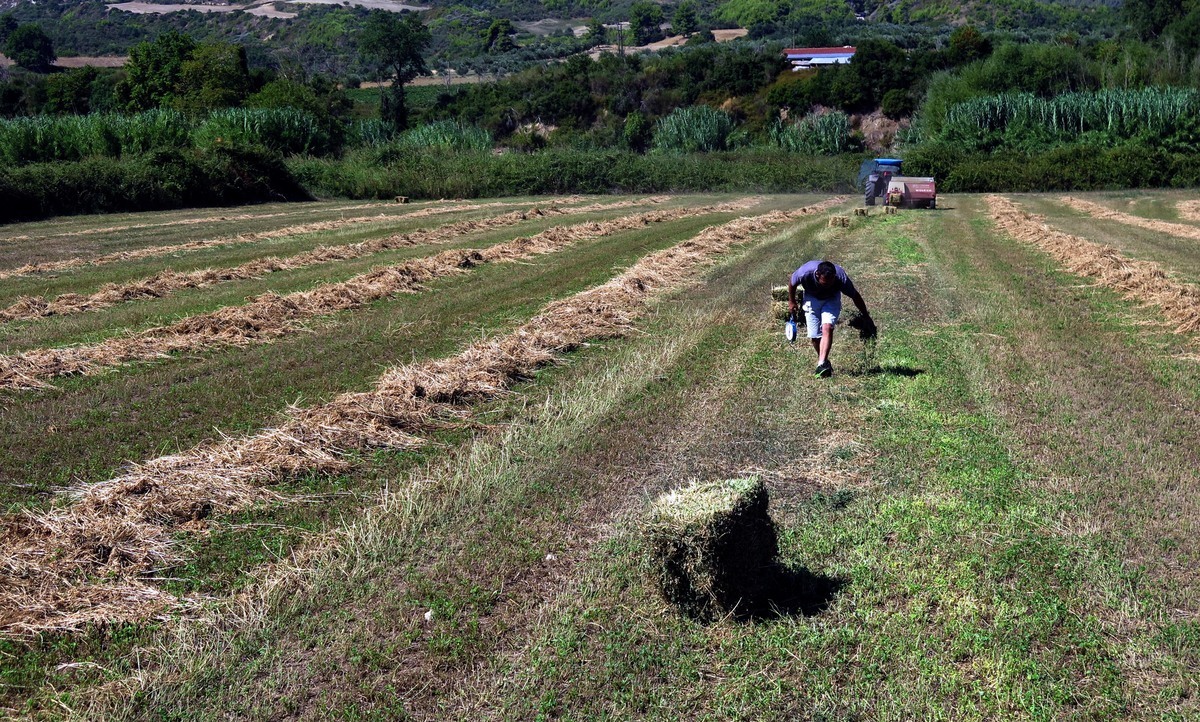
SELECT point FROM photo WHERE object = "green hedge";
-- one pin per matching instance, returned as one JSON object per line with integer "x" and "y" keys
{"x": 1073, "y": 168}
{"x": 160, "y": 180}
{"x": 427, "y": 174}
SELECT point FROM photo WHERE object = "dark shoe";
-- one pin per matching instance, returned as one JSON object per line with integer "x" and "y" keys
{"x": 824, "y": 370}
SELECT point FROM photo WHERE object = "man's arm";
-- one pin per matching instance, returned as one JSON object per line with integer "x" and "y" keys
{"x": 791, "y": 296}
{"x": 858, "y": 301}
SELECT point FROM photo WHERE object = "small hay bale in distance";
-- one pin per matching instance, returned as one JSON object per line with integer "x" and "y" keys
{"x": 712, "y": 547}
{"x": 839, "y": 221}
{"x": 861, "y": 211}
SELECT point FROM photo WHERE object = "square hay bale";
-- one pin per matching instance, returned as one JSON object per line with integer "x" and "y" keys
{"x": 860, "y": 211}
{"x": 712, "y": 547}
{"x": 839, "y": 221}
{"x": 889, "y": 210}
{"x": 779, "y": 293}
{"x": 779, "y": 310}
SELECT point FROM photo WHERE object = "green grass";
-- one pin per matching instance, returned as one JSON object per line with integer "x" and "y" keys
{"x": 988, "y": 515}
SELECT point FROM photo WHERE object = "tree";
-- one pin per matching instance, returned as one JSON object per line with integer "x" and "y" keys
{"x": 30, "y": 47}
{"x": 645, "y": 20}
{"x": 215, "y": 75}
{"x": 1148, "y": 18}
{"x": 7, "y": 25}
{"x": 153, "y": 71}
{"x": 70, "y": 93}
{"x": 596, "y": 32}
{"x": 967, "y": 45}
{"x": 498, "y": 37}
{"x": 685, "y": 21}
{"x": 395, "y": 43}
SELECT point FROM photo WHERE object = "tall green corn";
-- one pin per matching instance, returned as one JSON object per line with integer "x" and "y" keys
{"x": 696, "y": 128}
{"x": 825, "y": 134}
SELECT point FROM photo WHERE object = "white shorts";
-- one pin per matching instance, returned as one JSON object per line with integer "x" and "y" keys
{"x": 820, "y": 311}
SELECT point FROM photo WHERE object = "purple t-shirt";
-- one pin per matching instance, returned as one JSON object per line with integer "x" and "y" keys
{"x": 806, "y": 277}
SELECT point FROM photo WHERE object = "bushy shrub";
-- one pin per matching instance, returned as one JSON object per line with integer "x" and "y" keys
{"x": 163, "y": 179}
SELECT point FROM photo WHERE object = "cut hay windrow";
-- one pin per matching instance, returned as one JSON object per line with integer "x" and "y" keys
{"x": 240, "y": 239}
{"x": 271, "y": 315}
{"x": 435, "y": 207}
{"x": 167, "y": 282}
{"x": 1189, "y": 210}
{"x": 1142, "y": 281}
{"x": 95, "y": 559}
{"x": 1095, "y": 210}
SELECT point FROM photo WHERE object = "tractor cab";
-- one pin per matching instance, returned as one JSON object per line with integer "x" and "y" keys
{"x": 875, "y": 175}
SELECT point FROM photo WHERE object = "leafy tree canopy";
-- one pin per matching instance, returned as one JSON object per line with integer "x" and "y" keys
{"x": 395, "y": 43}
{"x": 29, "y": 47}
{"x": 645, "y": 20}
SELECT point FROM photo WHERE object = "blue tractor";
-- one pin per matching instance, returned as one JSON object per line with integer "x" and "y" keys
{"x": 875, "y": 175}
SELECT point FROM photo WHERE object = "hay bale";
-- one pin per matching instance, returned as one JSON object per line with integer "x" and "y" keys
{"x": 779, "y": 310}
{"x": 402, "y": 199}
{"x": 779, "y": 293}
{"x": 889, "y": 210}
{"x": 860, "y": 211}
{"x": 839, "y": 221}
{"x": 712, "y": 546}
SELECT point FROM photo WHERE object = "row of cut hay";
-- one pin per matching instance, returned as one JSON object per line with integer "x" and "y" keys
{"x": 1189, "y": 210}
{"x": 1142, "y": 281}
{"x": 271, "y": 315}
{"x": 222, "y": 217}
{"x": 295, "y": 230}
{"x": 94, "y": 560}
{"x": 167, "y": 282}
{"x": 1096, "y": 210}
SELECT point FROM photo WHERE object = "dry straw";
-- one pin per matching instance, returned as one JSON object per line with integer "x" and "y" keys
{"x": 711, "y": 547}
{"x": 167, "y": 282}
{"x": 1189, "y": 210}
{"x": 1096, "y": 210}
{"x": 244, "y": 238}
{"x": 1139, "y": 280}
{"x": 95, "y": 558}
{"x": 224, "y": 217}
{"x": 270, "y": 315}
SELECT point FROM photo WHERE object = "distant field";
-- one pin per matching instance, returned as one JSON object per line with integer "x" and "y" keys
{"x": 394, "y": 460}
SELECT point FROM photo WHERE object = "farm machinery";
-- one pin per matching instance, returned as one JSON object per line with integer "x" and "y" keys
{"x": 883, "y": 178}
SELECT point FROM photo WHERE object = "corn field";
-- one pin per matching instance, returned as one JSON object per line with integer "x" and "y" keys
{"x": 43, "y": 139}
{"x": 825, "y": 134}
{"x": 448, "y": 134}
{"x": 696, "y": 128}
{"x": 287, "y": 130}
{"x": 1122, "y": 113}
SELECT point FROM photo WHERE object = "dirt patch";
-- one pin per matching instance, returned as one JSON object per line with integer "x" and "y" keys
{"x": 270, "y": 315}
{"x": 167, "y": 282}
{"x": 120, "y": 530}
{"x": 1141, "y": 281}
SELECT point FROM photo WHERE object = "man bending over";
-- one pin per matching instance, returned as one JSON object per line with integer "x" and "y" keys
{"x": 823, "y": 284}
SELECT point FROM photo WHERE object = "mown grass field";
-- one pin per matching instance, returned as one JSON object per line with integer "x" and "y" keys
{"x": 989, "y": 514}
